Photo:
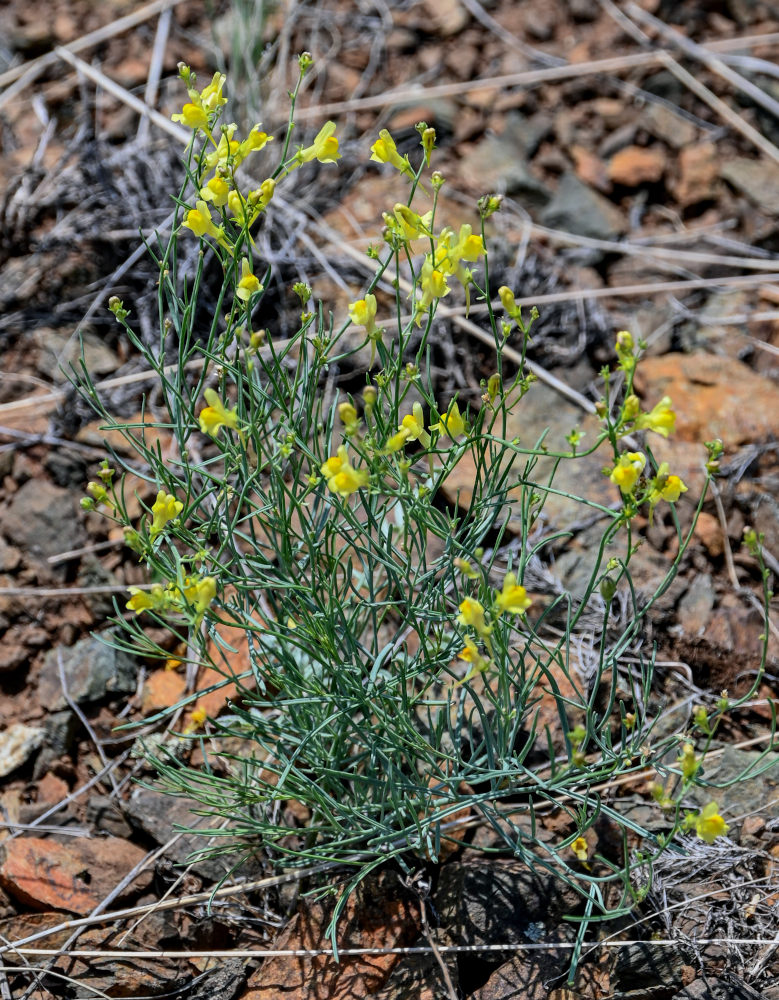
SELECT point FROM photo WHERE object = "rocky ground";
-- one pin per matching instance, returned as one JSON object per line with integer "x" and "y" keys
{"x": 637, "y": 148}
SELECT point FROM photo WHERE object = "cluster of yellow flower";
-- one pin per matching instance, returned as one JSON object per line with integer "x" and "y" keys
{"x": 220, "y": 190}
{"x": 627, "y": 472}
{"x": 195, "y": 594}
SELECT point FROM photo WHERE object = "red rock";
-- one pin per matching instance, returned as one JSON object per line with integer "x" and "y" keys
{"x": 636, "y": 165}
{"x": 46, "y": 874}
{"x": 375, "y": 917}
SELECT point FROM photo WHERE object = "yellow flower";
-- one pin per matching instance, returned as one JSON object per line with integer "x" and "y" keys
{"x": 709, "y": 824}
{"x": 216, "y": 415}
{"x": 166, "y": 508}
{"x": 192, "y": 116}
{"x": 211, "y": 97}
{"x": 156, "y": 599}
{"x": 396, "y": 442}
{"x": 627, "y": 470}
{"x": 363, "y": 313}
{"x": 414, "y": 423}
{"x": 259, "y": 198}
{"x": 513, "y": 598}
{"x": 451, "y": 422}
{"x": 466, "y": 569}
{"x": 199, "y": 220}
{"x": 665, "y": 487}
{"x": 349, "y": 418}
{"x": 411, "y": 224}
{"x": 384, "y": 150}
{"x": 216, "y": 191}
{"x": 687, "y": 762}
{"x": 324, "y": 147}
{"x": 341, "y": 477}
{"x": 661, "y": 419}
{"x": 249, "y": 283}
{"x": 200, "y": 593}
{"x": 471, "y": 654}
{"x": 432, "y": 282}
{"x": 196, "y": 721}
{"x": 254, "y": 141}
{"x": 472, "y": 613}
{"x": 580, "y": 848}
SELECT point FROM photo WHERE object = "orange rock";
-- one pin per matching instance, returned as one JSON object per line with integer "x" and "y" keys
{"x": 713, "y": 397}
{"x": 636, "y": 165}
{"x": 45, "y": 874}
{"x": 162, "y": 689}
{"x": 376, "y": 916}
{"x": 698, "y": 174}
{"x": 590, "y": 168}
{"x": 708, "y": 531}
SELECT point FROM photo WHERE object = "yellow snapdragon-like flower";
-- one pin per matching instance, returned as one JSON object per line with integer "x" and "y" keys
{"x": 216, "y": 191}
{"x": 432, "y": 282}
{"x": 248, "y": 284}
{"x": 472, "y": 614}
{"x": 414, "y": 423}
{"x": 199, "y": 220}
{"x": 661, "y": 418}
{"x": 363, "y": 313}
{"x": 200, "y": 593}
{"x": 192, "y": 116}
{"x": 580, "y": 848}
{"x": 384, "y": 150}
{"x": 341, "y": 477}
{"x": 473, "y": 655}
{"x": 211, "y": 96}
{"x": 626, "y": 472}
{"x": 155, "y": 599}
{"x": 709, "y": 824}
{"x": 410, "y": 223}
{"x": 451, "y": 422}
{"x": 396, "y": 442}
{"x": 324, "y": 147}
{"x": 166, "y": 508}
{"x": 665, "y": 486}
{"x": 513, "y": 597}
{"x": 216, "y": 415}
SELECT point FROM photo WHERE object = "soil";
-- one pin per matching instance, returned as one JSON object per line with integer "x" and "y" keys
{"x": 640, "y": 177}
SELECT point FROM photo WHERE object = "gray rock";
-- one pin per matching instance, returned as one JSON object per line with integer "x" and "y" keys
{"x": 17, "y": 744}
{"x": 645, "y": 966}
{"x": 488, "y": 902}
{"x": 695, "y": 607}
{"x": 104, "y": 813}
{"x": 42, "y": 519}
{"x": 757, "y": 179}
{"x": 161, "y": 816}
{"x": 499, "y": 162}
{"x": 667, "y": 124}
{"x": 739, "y": 798}
{"x": 576, "y": 208}
{"x": 728, "y": 988}
{"x": 92, "y": 670}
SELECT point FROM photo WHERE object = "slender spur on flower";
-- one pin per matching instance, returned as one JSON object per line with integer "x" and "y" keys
{"x": 661, "y": 418}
